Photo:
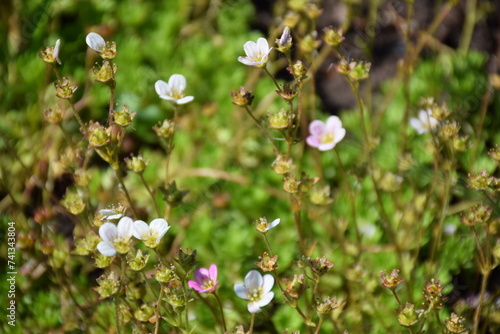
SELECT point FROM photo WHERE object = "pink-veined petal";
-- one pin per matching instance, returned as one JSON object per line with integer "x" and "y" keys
{"x": 241, "y": 290}
{"x": 125, "y": 227}
{"x": 177, "y": 82}
{"x": 108, "y": 232}
{"x": 105, "y": 248}
{"x": 317, "y": 128}
{"x": 253, "y": 307}
{"x": 140, "y": 227}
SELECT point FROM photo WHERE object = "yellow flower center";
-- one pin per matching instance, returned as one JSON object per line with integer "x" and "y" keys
{"x": 255, "y": 294}
{"x": 327, "y": 137}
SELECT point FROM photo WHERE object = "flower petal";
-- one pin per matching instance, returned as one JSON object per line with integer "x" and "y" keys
{"x": 106, "y": 248}
{"x": 140, "y": 227}
{"x": 195, "y": 285}
{"x": 212, "y": 272}
{"x": 162, "y": 88}
{"x": 266, "y": 299}
{"x": 333, "y": 124}
{"x": 177, "y": 82}
{"x": 268, "y": 282}
{"x": 57, "y": 47}
{"x": 185, "y": 99}
{"x": 159, "y": 225}
{"x": 108, "y": 232}
{"x": 313, "y": 141}
{"x": 263, "y": 45}
{"x": 253, "y": 280}
{"x": 253, "y": 307}
{"x": 417, "y": 125}
{"x": 273, "y": 224}
{"x": 251, "y": 49}
{"x": 339, "y": 135}
{"x": 316, "y": 128}
{"x": 125, "y": 227}
{"x": 201, "y": 274}
{"x": 241, "y": 290}
{"x": 326, "y": 146}
{"x": 95, "y": 41}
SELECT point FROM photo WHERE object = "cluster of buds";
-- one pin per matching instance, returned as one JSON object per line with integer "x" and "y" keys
{"x": 333, "y": 37}
{"x": 242, "y": 97}
{"x": 480, "y": 181}
{"x": 55, "y": 115}
{"x": 477, "y": 214}
{"x": 433, "y": 294}
{"x": 267, "y": 263}
{"x": 137, "y": 164}
{"x": 295, "y": 288}
{"x": 354, "y": 71}
{"x": 64, "y": 89}
{"x": 455, "y": 324}
{"x": 408, "y": 316}
{"x": 138, "y": 261}
{"x": 391, "y": 281}
{"x": 108, "y": 286}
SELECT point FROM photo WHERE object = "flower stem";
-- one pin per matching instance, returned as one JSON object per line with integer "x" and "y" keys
{"x": 272, "y": 77}
{"x": 250, "y": 331}
{"x": 221, "y": 311}
{"x": 157, "y": 311}
{"x": 262, "y": 128}
{"x": 477, "y": 314}
{"x": 319, "y": 325}
{"x": 397, "y": 298}
{"x": 124, "y": 188}
{"x": 150, "y": 194}
{"x": 268, "y": 245}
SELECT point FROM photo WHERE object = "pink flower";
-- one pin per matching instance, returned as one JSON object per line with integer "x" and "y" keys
{"x": 325, "y": 136}
{"x": 205, "y": 279}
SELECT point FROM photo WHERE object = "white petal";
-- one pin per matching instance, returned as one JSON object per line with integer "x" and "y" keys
{"x": 162, "y": 88}
{"x": 327, "y": 146}
{"x": 108, "y": 232}
{"x": 107, "y": 212}
{"x": 56, "y": 51}
{"x": 273, "y": 224}
{"x": 95, "y": 41}
{"x": 253, "y": 280}
{"x": 106, "y": 248}
{"x": 266, "y": 299}
{"x": 253, "y": 307}
{"x": 339, "y": 135}
{"x": 159, "y": 225}
{"x": 263, "y": 45}
{"x": 125, "y": 227}
{"x": 168, "y": 98}
{"x": 177, "y": 82}
{"x": 250, "y": 48}
{"x": 417, "y": 125}
{"x": 333, "y": 123}
{"x": 246, "y": 61}
{"x": 241, "y": 290}
{"x": 140, "y": 228}
{"x": 185, "y": 99}
{"x": 268, "y": 283}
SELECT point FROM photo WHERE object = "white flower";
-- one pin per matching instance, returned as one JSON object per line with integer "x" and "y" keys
{"x": 173, "y": 91}
{"x": 55, "y": 53}
{"x": 256, "y": 289}
{"x": 257, "y": 53}
{"x": 96, "y": 42}
{"x": 152, "y": 234}
{"x": 115, "y": 239}
{"x": 325, "y": 136}
{"x": 425, "y": 122}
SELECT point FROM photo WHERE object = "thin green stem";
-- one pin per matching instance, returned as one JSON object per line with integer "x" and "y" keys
{"x": 263, "y": 129}
{"x": 296, "y": 220}
{"x": 272, "y": 77}
{"x": 397, "y": 298}
{"x": 320, "y": 323}
{"x": 221, "y": 311}
{"x": 124, "y": 188}
{"x": 150, "y": 194}
{"x": 157, "y": 311}
{"x": 468, "y": 29}
{"x": 267, "y": 244}
{"x": 477, "y": 314}
{"x": 252, "y": 321}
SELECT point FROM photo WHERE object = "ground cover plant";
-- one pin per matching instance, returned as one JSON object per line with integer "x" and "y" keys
{"x": 249, "y": 167}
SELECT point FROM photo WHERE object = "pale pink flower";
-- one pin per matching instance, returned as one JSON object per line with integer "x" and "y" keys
{"x": 205, "y": 279}
{"x": 325, "y": 136}
{"x": 257, "y": 53}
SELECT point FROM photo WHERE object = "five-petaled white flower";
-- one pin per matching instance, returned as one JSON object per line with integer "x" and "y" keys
{"x": 115, "y": 239}
{"x": 152, "y": 234}
{"x": 173, "y": 91}
{"x": 325, "y": 136}
{"x": 95, "y": 42}
{"x": 256, "y": 289}
{"x": 425, "y": 122}
{"x": 257, "y": 53}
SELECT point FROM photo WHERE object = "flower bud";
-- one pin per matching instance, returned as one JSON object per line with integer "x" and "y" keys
{"x": 281, "y": 165}
{"x": 138, "y": 261}
{"x": 54, "y": 116}
{"x": 242, "y": 97}
{"x": 298, "y": 70}
{"x": 105, "y": 73}
{"x": 408, "y": 316}
{"x": 479, "y": 181}
{"x": 82, "y": 177}
{"x": 174, "y": 295}
{"x": 97, "y": 135}
{"x": 123, "y": 117}
{"x": 455, "y": 324}
{"x": 320, "y": 265}
{"x": 333, "y": 37}
{"x": 494, "y": 153}
{"x": 433, "y": 294}
{"x": 144, "y": 313}
{"x": 354, "y": 71}
{"x": 73, "y": 202}
{"x": 136, "y": 164}
{"x": 285, "y": 41}
{"x": 326, "y": 307}
{"x": 135, "y": 291}
{"x": 291, "y": 19}
{"x": 279, "y": 120}
{"x": 63, "y": 89}
{"x": 165, "y": 130}
{"x": 165, "y": 274}
{"x": 309, "y": 43}
{"x": 288, "y": 92}
{"x": 103, "y": 261}
{"x": 391, "y": 281}
{"x": 291, "y": 184}
{"x": 267, "y": 263}
{"x": 449, "y": 130}
{"x": 296, "y": 287}
{"x": 108, "y": 286}
{"x": 320, "y": 195}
